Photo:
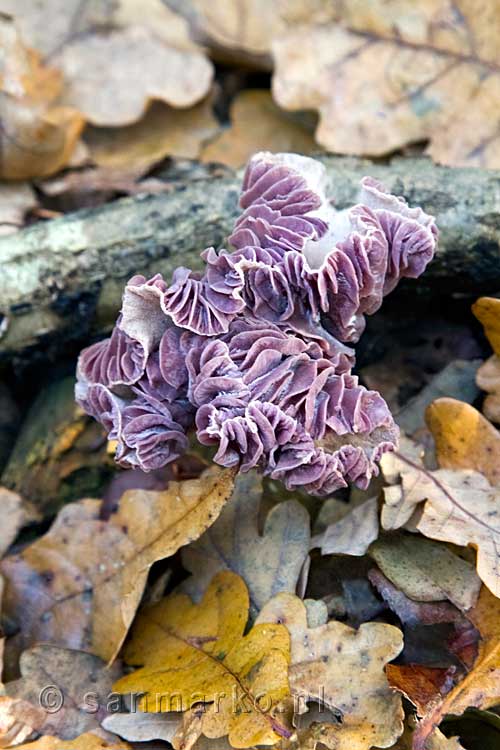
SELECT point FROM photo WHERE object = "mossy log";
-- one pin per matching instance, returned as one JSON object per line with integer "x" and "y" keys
{"x": 61, "y": 280}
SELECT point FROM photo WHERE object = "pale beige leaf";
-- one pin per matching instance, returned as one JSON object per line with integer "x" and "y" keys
{"x": 142, "y": 727}
{"x": 15, "y": 201}
{"x": 269, "y": 563}
{"x": 353, "y": 533}
{"x": 488, "y": 379}
{"x": 15, "y": 514}
{"x": 426, "y": 571}
{"x": 257, "y": 124}
{"x": 89, "y": 741}
{"x": 343, "y": 669}
{"x": 90, "y": 574}
{"x": 458, "y": 506}
{"x": 383, "y": 75}
{"x": 163, "y": 131}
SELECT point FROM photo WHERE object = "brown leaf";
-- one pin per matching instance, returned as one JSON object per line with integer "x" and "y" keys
{"x": 383, "y": 76}
{"x": 62, "y": 692}
{"x": 423, "y": 686}
{"x": 481, "y": 687}
{"x": 163, "y": 131}
{"x": 464, "y": 438}
{"x": 80, "y": 584}
{"x": 343, "y": 670}
{"x": 37, "y": 137}
{"x": 257, "y": 124}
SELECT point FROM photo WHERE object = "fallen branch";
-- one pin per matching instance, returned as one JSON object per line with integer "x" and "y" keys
{"x": 62, "y": 280}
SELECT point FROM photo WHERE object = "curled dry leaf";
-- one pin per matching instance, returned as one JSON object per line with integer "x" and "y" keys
{"x": 353, "y": 533}
{"x": 79, "y": 683}
{"x": 268, "y": 563}
{"x": 81, "y": 583}
{"x": 163, "y": 131}
{"x": 257, "y": 124}
{"x": 487, "y": 311}
{"x": 37, "y": 137}
{"x": 481, "y": 687}
{"x": 464, "y": 438}
{"x": 197, "y": 653}
{"x": 88, "y": 741}
{"x": 458, "y": 506}
{"x": 343, "y": 669}
{"x": 382, "y": 77}
{"x": 15, "y": 201}
{"x": 426, "y": 571}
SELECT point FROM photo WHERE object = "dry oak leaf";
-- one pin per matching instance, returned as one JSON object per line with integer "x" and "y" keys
{"x": 79, "y": 683}
{"x": 141, "y": 727}
{"x": 197, "y": 653}
{"x": 464, "y": 438}
{"x": 257, "y": 124}
{"x": 353, "y": 532}
{"x": 383, "y": 75}
{"x": 269, "y": 563}
{"x": 487, "y": 311}
{"x": 426, "y": 571}
{"x": 481, "y": 687}
{"x": 37, "y": 137}
{"x": 81, "y": 583}
{"x": 116, "y": 56}
{"x": 343, "y": 669}
{"x": 162, "y": 131}
{"x": 456, "y": 506}
{"x": 16, "y": 512}
{"x": 88, "y": 741}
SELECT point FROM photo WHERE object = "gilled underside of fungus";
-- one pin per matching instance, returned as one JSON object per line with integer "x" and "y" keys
{"x": 255, "y": 355}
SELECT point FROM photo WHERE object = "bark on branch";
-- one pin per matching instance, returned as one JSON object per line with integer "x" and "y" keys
{"x": 62, "y": 280}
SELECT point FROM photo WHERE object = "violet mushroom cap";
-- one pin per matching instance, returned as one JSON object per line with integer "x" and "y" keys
{"x": 253, "y": 353}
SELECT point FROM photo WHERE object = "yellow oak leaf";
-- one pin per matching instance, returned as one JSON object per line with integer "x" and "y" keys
{"x": 487, "y": 311}
{"x": 342, "y": 669}
{"x": 464, "y": 438}
{"x": 90, "y": 573}
{"x": 197, "y": 653}
{"x": 480, "y": 688}
{"x": 87, "y": 741}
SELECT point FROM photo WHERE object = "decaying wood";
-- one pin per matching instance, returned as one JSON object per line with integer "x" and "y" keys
{"x": 61, "y": 280}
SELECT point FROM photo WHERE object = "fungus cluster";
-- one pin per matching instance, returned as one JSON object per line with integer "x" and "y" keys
{"x": 255, "y": 354}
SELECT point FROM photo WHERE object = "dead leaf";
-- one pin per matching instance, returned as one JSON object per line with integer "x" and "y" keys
{"x": 421, "y": 685}
{"x": 81, "y": 583}
{"x": 37, "y": 135}
{"x": 15, "y": 514}
{"x": 353, "y": 533}
{"x": 116, "y": 56}
{"x": 15, "y": 202}
{"x": 458, "y": 506}
{"x": 87, "y": 741}
{"x": 382, "y": 77}
{"x": 426, "y": 571}
{"x": 268, "y": 563}
{"x": 163, "y": 131}
{"x": 342, "y": 669}
{"x": 142, "y": 727}
{"x": 487, "y": 311}
{"x": 196, "y": 653}
{"x": 66, "y": 692}
{"x": 257, "y": 124}
{"x": 464, "y": 438}
{"x": 481, "y": 687}
{"x": 488, "y": 379}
